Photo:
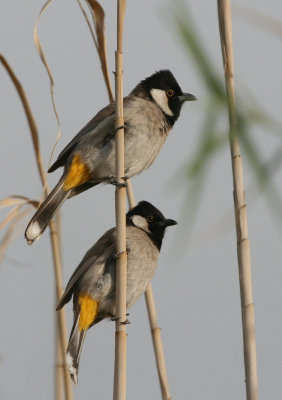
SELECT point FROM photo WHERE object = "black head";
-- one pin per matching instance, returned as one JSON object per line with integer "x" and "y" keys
{"x": 148, "y": 218}
{"x": 163, "y": 89}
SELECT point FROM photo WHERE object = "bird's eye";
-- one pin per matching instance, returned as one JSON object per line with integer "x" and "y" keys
{"x": 170, "y": 93}
{"x": 150, "y": 218}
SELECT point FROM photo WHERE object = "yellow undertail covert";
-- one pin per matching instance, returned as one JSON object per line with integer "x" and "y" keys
{"x": 78, "y": 173}
{"x": 88, "y": 311}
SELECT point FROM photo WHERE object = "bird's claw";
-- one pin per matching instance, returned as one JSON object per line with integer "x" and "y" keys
{"x": 117, "y": 255}
{"x": 126, "y": 322}
{"x": 119, "y": 184}
{"x": 112, "y": 181}
{"x": 121, "y": 127}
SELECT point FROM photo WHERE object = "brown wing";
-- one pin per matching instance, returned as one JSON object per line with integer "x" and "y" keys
{"x": 91, "y": 125}
{"x": 102, "y": 250}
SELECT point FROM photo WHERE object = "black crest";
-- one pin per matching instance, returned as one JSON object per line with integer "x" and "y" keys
{"x": 163, "y": 79}
{"x": 156, "y": 221}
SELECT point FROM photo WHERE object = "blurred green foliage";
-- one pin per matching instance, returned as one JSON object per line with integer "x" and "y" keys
{"x": 214, "y": 133}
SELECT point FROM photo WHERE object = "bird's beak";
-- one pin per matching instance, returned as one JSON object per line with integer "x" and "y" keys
{"x": 187, "y": 97}
{"x": 169, "y": 222}
{"x": 166, "y": 222}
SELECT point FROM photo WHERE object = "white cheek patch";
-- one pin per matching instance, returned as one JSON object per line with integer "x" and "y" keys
{"x": 140, "y": 222}
{"x": 160, "y": 98}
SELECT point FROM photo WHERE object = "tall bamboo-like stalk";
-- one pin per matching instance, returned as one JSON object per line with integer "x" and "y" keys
{"x": 243, "y": 248}
{"x": 61, "y": 316}
{"x": 59, "y": 365}
{"x": 55, "y": 242}
{"x": 120, "y": 201}
{"x": 100, "y": 44}
{"x": 155, "y": 329}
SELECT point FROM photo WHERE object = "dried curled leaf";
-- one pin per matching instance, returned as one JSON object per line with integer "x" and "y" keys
{"x": 16, "y": 199}
{"x": 98, "y": 15}
{"x": 12, "y": 232}
{"x": 13, "y": 217}
{"x": 18, "y": 202}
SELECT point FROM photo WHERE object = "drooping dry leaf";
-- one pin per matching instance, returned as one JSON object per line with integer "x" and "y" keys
{"x": 12, "y": 214}
{"x": 88, "y": 23}
{"x": 13, "y": 217}
{"x": 16, "y": 199}
{"x": 98, "y": 15}
{"x": 18, "y": 202}
{"x": 11, "y": 231}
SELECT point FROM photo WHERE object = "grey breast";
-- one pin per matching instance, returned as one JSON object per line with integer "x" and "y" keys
{"x": 99, "y": 279}
{"x": 142, "y": 261}
{"x": 146, "y": 132}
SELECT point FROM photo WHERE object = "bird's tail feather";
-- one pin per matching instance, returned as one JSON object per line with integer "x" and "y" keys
{"x": 76, "y": 340}
{"x": 46, "y": 211}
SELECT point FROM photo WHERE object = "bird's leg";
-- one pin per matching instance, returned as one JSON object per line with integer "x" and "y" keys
{"x": 112, "y": 181}
{"x": 126, "y": 322}
{"x": 119, "y": 184}
{"x": 121, "y": 127}
{"x": 117, "y": 255}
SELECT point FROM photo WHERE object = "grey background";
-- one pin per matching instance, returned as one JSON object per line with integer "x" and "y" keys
{"x": 196, "y": 284}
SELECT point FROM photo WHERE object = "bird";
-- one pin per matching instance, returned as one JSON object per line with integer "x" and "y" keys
{"x": 150, "y": 111}
{"x": 92, "y": 284}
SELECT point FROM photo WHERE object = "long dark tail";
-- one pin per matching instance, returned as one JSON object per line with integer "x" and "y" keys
{"x": 46, "y": 212}
{"x": 74, "y": 349}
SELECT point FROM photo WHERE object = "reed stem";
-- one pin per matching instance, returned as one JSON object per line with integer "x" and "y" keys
{"x": 243, "y": 246}
{"x": 155, "y": 330}
{"x": 119, "y": 392}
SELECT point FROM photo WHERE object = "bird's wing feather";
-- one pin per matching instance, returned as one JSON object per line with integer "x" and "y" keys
{"x": 98, "y": 254}
{"x": 89, "y": 128}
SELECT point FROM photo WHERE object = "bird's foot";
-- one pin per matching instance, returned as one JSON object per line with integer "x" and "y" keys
{"x": 112, "y": 181}
{"x": 117, "y": 255}
{"x": 119, "y": 184}
{"x": 126, "y": 322}
{"x": 115, "y": 319}
{"x": 121, "y": 127}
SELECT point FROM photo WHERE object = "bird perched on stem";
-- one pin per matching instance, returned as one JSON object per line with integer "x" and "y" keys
{"x": 150, "y": 112}
{"x": 92, "y": 285}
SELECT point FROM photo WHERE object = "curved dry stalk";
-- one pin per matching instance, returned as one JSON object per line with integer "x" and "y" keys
{"x": 55, "y": 243}
{"x": 243, "y": 247}
{"x": 54, "y": 227}
{"x": 30, "y": 120}
{"x": 46, "y": 65}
